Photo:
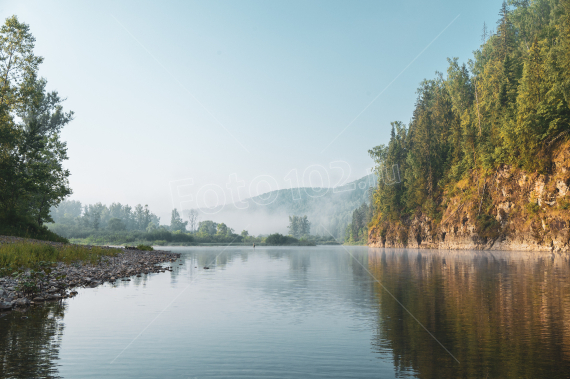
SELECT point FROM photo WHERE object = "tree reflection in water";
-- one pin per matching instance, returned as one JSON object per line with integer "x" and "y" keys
{"x": 29, "y": 347}
{"x": 503, "y": 315}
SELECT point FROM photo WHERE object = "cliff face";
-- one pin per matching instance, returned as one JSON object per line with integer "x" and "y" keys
{"x": 507, "y": 210}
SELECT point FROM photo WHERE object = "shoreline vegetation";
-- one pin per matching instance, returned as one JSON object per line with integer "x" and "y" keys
{"x": 34, "y": 271}
{"x": 271, "y": 240}
{"x": 121, "y": 224}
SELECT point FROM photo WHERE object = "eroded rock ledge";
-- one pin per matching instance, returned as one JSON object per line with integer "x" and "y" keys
{"x": 508, "y": 209}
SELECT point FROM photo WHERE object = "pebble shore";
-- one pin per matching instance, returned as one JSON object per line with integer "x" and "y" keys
{"x": 60, "y": 281}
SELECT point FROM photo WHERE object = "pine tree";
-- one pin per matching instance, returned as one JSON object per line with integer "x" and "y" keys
{"x": 484, "y": 33}
{"x": 504, "y": 31}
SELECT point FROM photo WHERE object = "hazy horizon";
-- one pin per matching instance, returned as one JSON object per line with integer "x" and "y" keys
{"x": 239, "y": 96}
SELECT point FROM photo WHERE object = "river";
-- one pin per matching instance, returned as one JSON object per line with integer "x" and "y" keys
{"x": 304, "y": 312}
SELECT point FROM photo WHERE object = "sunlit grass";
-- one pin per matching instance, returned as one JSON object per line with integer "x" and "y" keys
{"x": 22, "y": 255}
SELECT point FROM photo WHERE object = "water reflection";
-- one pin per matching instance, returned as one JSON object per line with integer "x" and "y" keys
{"x": 502, "y": 315}
{"x": 288, "y": 312}
{"x": 29, "y": 342}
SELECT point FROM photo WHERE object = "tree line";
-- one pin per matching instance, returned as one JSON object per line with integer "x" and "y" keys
{"x": 116, "y": 217}
{"x": 121, "y": 223}
{"x": 357, "y": 231}
{"x": 508, "y": 105}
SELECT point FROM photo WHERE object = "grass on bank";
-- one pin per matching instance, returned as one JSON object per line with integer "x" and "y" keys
{"x": 33, "y": 255}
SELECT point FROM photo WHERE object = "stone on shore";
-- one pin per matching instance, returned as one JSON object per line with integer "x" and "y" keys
{"x": 21, "y": 302}
{"x": 5, "y": 306}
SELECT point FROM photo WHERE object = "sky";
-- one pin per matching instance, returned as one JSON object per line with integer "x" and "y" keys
{"x": 199, "y": 103}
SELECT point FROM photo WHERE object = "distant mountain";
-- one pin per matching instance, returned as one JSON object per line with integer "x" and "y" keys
{"x": 328, "y": 209}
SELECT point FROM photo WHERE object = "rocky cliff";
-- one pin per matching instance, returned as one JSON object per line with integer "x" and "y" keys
{"x": 508, "y": 209}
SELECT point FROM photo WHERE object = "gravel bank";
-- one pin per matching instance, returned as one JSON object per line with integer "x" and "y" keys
{"x": 59, "y": 282}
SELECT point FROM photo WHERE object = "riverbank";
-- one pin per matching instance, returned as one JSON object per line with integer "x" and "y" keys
{"x": 41, "y": 281}
{"x": 160, "y": 243}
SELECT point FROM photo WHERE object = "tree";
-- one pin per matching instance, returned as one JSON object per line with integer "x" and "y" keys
{"x": 207, "y": 228}
{"x": 17, "y": 62}
{"x": 564, "y": 52}
{"x": 152, "y": 226}
{"x": 116, "y": 225}
{"x": 32, "y": 177}
{"x": 192, "y": 215}
{"x": 222, "y": 230}
{"x": 294, "y": 227}
{"x": 304, "y": 226}
{"x": 299, "y": 226}
{"x": 176, "y": 223}
{"x": 504, "y": 31}
{"x": 95, "y": 218}
{"x": 357, "y": 230}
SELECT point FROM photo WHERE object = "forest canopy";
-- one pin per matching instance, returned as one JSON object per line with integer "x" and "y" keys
{"x": 506, "y": 106}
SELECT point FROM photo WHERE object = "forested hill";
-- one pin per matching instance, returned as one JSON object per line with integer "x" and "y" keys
{"x": 328, "y": 209}
{"x": 486, "y": 139}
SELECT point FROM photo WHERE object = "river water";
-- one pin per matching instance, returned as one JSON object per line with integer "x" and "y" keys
{"x": 303, "y": 312}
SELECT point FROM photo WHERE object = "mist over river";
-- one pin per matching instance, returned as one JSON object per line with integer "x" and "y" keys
{"x": 303, "y": 312}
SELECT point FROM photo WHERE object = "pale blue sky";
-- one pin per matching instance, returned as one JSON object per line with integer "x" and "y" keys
{"x": 284, "y": 78}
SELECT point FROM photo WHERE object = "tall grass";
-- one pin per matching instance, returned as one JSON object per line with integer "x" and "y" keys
{"x": 22, "y": 255}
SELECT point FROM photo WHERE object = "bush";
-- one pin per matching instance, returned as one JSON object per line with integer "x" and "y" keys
{"x": 144, "y": 247}
{"x": 279, "y": 240}
{"x": 488, "y": 226}
{"x": 532, "y": 208}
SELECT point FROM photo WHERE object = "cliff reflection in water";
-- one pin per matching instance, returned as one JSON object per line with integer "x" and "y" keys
{"x": 29, "y": 347}
{"x": 502, "y": 315}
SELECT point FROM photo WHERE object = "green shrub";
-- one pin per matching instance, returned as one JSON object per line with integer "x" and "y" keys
{"x": 488, "y": 226}
{"x": 533, "y": 208}
{"x": 145, "y": 247}
{"x": 564, "y": 205}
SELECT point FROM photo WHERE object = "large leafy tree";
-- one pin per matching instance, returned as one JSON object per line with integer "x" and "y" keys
{"x": 32, "y": 177}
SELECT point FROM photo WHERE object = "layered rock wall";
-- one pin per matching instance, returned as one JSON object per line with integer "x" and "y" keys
{"x": 506, "y": 210}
